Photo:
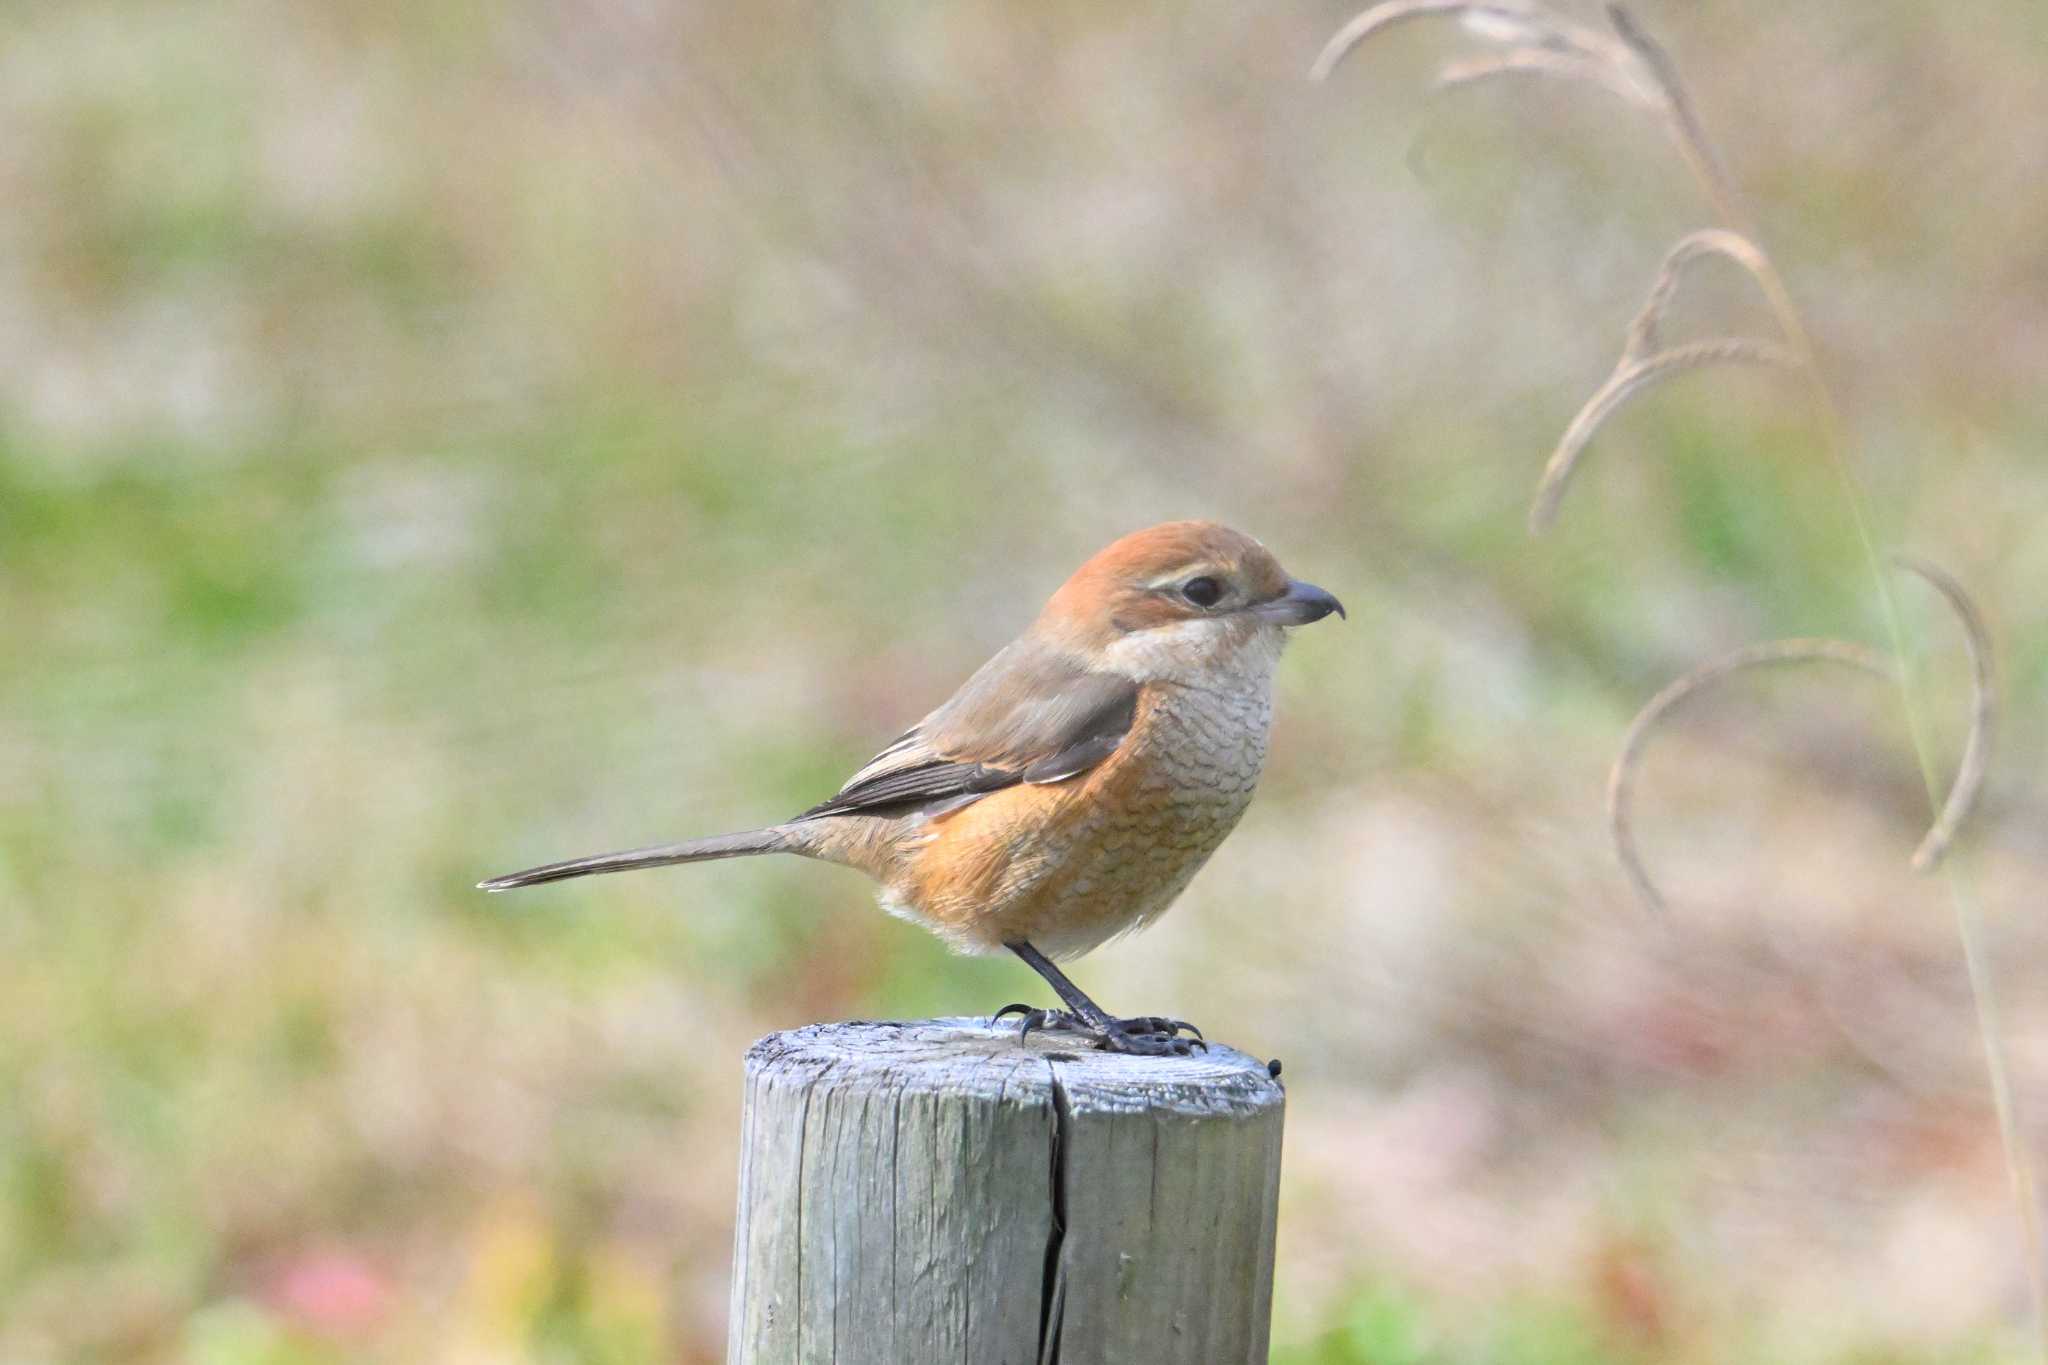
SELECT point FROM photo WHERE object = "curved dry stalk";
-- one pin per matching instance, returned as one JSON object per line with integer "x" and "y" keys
{"x": 1380, "y": 17}
{"x": 1962, "y": 795}
{"x": 1543, "y": 61}
{"x": 1522, "y": 24}
{"x": 1525, "y": 24}
{"x": 1733, "y": 246}
{"x": 1686, "y": 128}
{"x": 1621, "y": 777}
{"x": 1629, "y": 378}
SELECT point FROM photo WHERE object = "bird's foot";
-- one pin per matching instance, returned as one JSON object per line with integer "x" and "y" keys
{"x": 1035, "y": 1018}
{"x": 1148, "y": 1035}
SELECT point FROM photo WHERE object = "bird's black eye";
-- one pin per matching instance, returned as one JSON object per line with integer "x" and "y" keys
{"x": 1203, "y": 592}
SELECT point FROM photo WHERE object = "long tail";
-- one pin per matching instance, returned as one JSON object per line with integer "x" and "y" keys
{"x": 773, "y": 839}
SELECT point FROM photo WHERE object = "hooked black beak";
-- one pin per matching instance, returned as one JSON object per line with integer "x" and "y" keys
{"x": 1299, "y": 605}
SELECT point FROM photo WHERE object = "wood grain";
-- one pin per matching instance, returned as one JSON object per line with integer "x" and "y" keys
{"x": 912, "y": 1193}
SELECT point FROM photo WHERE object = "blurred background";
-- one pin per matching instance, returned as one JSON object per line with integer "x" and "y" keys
{"x": 440, "y": 437}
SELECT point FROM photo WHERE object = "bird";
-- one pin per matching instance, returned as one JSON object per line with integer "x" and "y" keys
{"x": 1072, "y": 787}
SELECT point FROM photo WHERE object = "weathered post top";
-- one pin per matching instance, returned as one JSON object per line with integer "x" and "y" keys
{"x": 912, "y": 1193}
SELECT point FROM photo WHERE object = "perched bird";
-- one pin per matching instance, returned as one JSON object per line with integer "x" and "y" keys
{"x": 1071, "y": 788}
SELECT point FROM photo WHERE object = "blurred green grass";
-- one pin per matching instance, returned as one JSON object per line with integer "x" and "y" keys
{"x": 440, "y": 437}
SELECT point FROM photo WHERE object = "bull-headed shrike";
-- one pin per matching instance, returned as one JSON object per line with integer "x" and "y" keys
{"x": 1072, "y": 787}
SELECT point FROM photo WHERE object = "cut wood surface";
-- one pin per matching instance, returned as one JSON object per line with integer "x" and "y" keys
{"x": 912, "y": 1193}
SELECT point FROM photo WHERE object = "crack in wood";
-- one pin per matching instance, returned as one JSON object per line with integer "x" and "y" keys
{"x": 937, "y": 1191}
{"x": 1052, "y": 1313}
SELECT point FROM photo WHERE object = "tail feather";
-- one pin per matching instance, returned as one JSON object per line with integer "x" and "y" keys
{"x": 773, "y": 839}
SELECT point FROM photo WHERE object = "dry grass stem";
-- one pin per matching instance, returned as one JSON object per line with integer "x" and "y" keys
{"x": 1385, "y": 16}
{"x": 1621, "y": 777}
{"x": 1541, "y": 42}
{"x": 1538, "y": 41}
{"x": 1544, "y": 42}
{"x": 1962, "y": 795}
{"x": 1541, "y": 61}
{"x": 1733, "y": 246}
{"x": 1683, "y": 118}
{"x": 1629, "y": 378}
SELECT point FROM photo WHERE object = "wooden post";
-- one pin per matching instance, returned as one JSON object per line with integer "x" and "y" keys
{"x": 918, "y": 1193}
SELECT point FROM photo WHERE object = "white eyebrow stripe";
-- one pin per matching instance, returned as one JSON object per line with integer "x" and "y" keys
{"x": 1182, "y": 575}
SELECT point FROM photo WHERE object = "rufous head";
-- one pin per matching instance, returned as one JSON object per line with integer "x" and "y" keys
{"x": 1195, "y": 589}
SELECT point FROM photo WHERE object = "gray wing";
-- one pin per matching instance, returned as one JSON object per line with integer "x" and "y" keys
{"x": 1031, "y": 714}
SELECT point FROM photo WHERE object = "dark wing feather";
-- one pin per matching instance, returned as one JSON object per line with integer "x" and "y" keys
{"x": 1031, "y": 714}
{"x": 890, "y": 792}
{"x": 1079, "y": 757}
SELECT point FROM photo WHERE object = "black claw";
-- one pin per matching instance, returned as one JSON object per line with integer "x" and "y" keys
{"x": 1036, "y": 1018}
{"x": 1157, "y": 1023}
{"x": 1149, "y": 1035}
{"x": 1170, "y": 1028}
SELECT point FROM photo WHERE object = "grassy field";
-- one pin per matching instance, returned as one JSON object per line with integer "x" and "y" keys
{"x": 436, "y": 438}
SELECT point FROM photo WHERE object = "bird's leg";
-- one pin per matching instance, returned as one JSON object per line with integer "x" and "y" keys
{"x": 1083, "y": 1010}
{"x": 1148, "y": 1034}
